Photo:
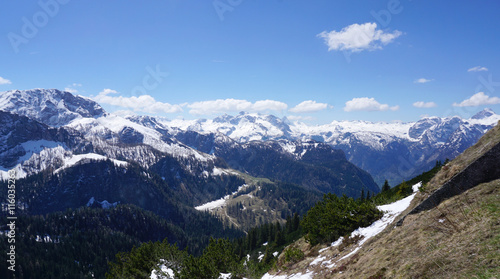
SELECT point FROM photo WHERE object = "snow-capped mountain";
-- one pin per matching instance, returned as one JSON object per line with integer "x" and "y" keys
{"x": 57, "y": 131}
{"x": 66, "y": 122}
{"x": 243, "y": 127}
{"x": 30, "y": 146}
{"x": 393, "y": 151}
{"x": 294, "y": 161}
{"x": 49, "y": 106}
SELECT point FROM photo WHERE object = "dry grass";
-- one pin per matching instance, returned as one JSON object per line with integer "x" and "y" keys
{"x": 458, "y": 239}
{"x": 295, "y": 267}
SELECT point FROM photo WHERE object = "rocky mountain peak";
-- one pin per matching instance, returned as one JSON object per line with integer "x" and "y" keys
{"x": 49, "y": 106}
{"x": 485, "y": 113}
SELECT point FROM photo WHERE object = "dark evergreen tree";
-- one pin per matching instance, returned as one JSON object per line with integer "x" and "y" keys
{"x": 386, "y": 186}
{"x": 296, "y": 222}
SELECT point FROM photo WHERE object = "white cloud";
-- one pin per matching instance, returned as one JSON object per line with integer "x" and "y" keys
{"x": 232, "y": 105}
{"x": 423, "y": 80}
{"x": 358, "y": 37}
{"x": 477, "y": 69}
{"x": 71, "y": 88}
{"x": 309, "y": 106}
{"x": 421, "y": 104}
{"x": 269, "y": 105}
{"x": 300, "y": 117}
{"x": 478, "y": 99}
{"x": 124, "y": 113}
{"x": 367, "y": 104}
{"x": 4, "y": 81}
{"x": 143, "y": 103}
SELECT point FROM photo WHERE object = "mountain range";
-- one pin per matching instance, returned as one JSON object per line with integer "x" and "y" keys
{"x": 72, "y": 158}
{"x": 68, "y": 151}
{"x": 392, "y": 151}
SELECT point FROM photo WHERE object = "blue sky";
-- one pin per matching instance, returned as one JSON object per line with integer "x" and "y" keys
{"x": 316, "y": 61}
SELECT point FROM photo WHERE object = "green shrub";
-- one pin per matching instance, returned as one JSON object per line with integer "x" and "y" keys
{"x": 291, "y": 256}
{"x": 334, "y": 217}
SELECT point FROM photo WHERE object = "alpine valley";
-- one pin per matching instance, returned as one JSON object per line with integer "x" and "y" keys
{"x": 90, "y": 184}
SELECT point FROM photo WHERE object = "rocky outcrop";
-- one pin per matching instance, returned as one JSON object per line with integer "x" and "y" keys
{"x": 485, "y": 169}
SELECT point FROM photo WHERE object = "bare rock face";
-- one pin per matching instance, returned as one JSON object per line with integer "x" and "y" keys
{"x": 484, "y": 169}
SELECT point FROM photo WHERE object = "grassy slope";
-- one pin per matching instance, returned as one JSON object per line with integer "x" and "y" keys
{"x": 259, "y": 206}
{"x": 263, "y": 210}
{"x": 458, "y": 239}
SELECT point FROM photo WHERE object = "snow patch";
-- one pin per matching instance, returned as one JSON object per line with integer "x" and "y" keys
{"x": 308, "y": 275}
{"x": 163, "y": 273}
{"x": 317, "y": 260}
{"x": 209, "y": 206}
{"x": 36, "y": 146}
{"x": 104, "y": 204}
{"x": 391, "y": 211}
{"x": 46, "y": 239}
{"x": 261, "y": 256}
{"x": 75, "y": 159}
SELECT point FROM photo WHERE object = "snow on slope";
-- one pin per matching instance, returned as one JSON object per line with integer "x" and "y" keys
{"x": 210, "y": 206}
{"x": 42, "y": 154}
{"x": 163, "y": 273}
{"x": 37, "y": 146}
{"x": 251, "y": 126}
{"x": 244, "y": 127}
{"x": 308, "y": 275}
{"x": 391, "y": 211}
{"x": 486, "y": 121}
{"x": 394, "y": 129}
{"x": 167, "y": 273}
{"x": 104, "y": 204}
{"x": 75, "y": 159}
{"x": 112, "y": 125}
{"x": 50, "y": 106}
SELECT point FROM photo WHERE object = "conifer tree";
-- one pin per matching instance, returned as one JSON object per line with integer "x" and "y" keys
{"x": 386, "y": 186}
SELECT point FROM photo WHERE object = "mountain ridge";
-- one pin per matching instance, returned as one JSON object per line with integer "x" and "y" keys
{"x": 388, "y": 151}
{"x": 146, "y": 140}
{"x": 399, "y": 146}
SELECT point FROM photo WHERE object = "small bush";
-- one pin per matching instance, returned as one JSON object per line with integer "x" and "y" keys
{"x": 291, "y": 256}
